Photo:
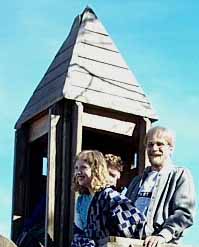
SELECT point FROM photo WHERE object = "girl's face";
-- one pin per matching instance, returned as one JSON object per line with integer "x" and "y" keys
{"x": 83, "y": 173}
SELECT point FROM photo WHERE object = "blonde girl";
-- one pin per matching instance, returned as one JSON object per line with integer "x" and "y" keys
{"x": 100, "y": 210}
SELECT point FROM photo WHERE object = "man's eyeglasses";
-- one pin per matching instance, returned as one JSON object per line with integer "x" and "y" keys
{"x": 158, "y": 144}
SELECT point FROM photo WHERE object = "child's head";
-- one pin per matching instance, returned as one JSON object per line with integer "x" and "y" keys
{"x": 115, "y": 167}
{"x": 91, "y": 173}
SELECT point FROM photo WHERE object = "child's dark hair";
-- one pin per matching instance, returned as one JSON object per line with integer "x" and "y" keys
{"x": 114, "y": 161}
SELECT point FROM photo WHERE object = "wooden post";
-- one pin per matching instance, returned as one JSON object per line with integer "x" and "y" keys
{"x": 142, "y": 160}
{"x": 19, "y": 202}
{"x": 65, "y": 139}
{"x": 72, "y": 143}
{"x": 50, "y": 219}
{"x": 77, "y": 128}
{"x": 130, "y": 242}
{"x": 55, "y": 174}
{"x": 66, "y": 225}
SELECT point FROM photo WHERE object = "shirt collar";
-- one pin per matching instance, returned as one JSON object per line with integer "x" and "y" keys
{"x": 164, "y": 170}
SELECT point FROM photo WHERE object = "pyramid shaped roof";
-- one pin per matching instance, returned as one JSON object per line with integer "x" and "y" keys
{"x": 89, "y": 68}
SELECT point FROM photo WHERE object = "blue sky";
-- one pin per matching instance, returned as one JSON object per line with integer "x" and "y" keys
{"x": 159, "y": 41}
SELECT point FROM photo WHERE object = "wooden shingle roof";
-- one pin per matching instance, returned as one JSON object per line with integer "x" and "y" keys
{"x": 90, "y": 69}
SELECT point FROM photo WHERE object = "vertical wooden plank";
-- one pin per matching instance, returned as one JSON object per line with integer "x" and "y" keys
{"x": 66, "y": 209}
{"x": 77, "y": 129}
{"x": 72, "y": 143}
{"x": 50, "y": 206}
{"x": 142, "y": 159}
{"x": 64, "y": 141}
{"x": 19, "y": 207}
{"x": 77, "y": 115}
{"x": 38, "y": 128}
{"x": 55, "y": 174}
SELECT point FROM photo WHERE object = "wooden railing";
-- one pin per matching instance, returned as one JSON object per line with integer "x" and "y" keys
{"x": 129, "y": 242}
{"x": 113, "y": 242}
{"x": 4, "y": 242}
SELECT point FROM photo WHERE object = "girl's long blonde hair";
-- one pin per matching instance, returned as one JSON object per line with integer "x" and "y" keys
{"x": 99, "y": 171}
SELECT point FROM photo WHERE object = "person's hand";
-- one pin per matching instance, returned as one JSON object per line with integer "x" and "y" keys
{"x": 154, "y": 241}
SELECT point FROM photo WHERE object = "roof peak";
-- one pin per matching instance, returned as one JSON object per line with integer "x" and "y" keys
{"x": 89, "y": 68}
{"x": 87, "y": 10}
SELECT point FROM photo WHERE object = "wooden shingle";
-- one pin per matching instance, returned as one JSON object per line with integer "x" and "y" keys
{"x": 90, "y": 69}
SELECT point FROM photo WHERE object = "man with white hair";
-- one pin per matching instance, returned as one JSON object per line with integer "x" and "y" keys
{"x": 164, "y": 193}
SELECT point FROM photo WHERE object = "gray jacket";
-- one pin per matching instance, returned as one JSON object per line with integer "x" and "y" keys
{"x": 172, "y": 204}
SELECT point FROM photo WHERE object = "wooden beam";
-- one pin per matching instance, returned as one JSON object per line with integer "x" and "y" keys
{"x": 71, "y": 145}
{"x": 108, "y": 124}
{"x": 66, "y": 118}
{"x": 19, "y": 193}
{"x": 39, "y": 128}
{"x": 124, "y": 242}
{"x": 129, "y": 242}
{"x": 106, "y": 112}
{"x": 68, "y": 150}
{"x": 50, "y": 219}
{"x": 142, "y": 160}
{"x": 77, "y": 118}
{"x": 55, "y": 175}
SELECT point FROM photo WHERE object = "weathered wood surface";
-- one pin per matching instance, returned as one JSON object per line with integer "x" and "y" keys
{"x": 108, "y": 101}
{"x": 51, "y": 175}
{"x": 4, "y": 242}
{"x": 19, "y": 194}
{"x": 93, "y": 24}
{"x": 39, "y": 128}
{"x": 60, "y": 217}
{"x": 123, "y": 116}
{"x": 104, "y": 70}
{"x": 122, "y": 88}
{"x": 92, "y": 52}
{"x": 40, "y": 101}
{"x": 88, "y": 55}
{"x": 66, "y": 144}
{"x": 77, "y": 115}
{"x": 50, "y": 87}
{"x": 70, "y": 40}
{"x": 90, "y": 37}
{"x": 144, "y": 125}
{"x": 128, "y": 242}
{"x": 108, "y": 124}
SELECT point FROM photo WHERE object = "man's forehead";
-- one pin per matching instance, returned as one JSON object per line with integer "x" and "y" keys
{"x": 159, "y": 135}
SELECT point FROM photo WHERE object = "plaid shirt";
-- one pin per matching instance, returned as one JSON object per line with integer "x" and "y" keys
{"x": 110, "y": 213}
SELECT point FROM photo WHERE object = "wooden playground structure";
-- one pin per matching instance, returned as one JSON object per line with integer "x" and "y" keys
{"x": 87, "y": 99}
